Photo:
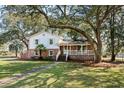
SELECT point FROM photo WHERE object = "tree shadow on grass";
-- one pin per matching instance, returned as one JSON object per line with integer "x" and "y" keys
{"x": 97, "y": 78}
{"x": 74, "y": 76}
{"x": 45, "y": 79}
{"x": 18, "y": 68}
{"x": 35, "y": 80}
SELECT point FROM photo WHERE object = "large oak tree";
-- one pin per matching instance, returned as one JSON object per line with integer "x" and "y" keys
{"x": 72, "y": 17}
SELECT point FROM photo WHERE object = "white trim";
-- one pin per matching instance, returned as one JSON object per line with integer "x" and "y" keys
{"x": 78, "y": 52}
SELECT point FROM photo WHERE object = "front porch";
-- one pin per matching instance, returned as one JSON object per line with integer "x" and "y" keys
{"x": 77, "y": 51}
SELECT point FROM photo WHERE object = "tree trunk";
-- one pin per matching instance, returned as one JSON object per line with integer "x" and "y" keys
{"x": 26, "y": 44}
{"x": 98, "y": 58}
{"x": 112, "y": 36}
{"x": 16, "y": 52}
{"x": 97, "y": 51}
{"x": 113, "y": 57}
{"x": 40, "y": 54}
{"x": 98, "y": 54}
{"x": 112, "y": 46}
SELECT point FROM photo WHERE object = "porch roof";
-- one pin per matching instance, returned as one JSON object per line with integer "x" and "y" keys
{"x": 73, "y": 43}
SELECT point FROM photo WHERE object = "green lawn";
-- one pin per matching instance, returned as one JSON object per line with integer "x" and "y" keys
{"x": 11, "y": 68}
{"x": 73, "y": 75}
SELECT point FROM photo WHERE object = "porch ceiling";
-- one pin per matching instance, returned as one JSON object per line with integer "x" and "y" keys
{"x": 72, "y": 44}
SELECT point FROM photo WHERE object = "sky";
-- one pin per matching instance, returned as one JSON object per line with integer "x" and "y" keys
{"x": 1, "y": 30}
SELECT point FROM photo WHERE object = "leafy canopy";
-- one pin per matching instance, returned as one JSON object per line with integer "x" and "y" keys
{"x": 41, "y": 47}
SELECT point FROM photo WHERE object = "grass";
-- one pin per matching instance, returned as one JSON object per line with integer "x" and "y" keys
{"x": 10, "y": 68}
{"x": 70, "y": 75}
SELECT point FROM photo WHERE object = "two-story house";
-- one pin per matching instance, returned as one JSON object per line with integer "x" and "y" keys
{"x": 58, "y": 47}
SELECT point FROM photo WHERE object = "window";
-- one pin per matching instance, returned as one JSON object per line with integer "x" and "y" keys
{"x": 51, "y": 41}
{"x": 51, "y": 53}
{"x": 36, "y": 52}
{"x": 43, "y": 34}
{"x": 36, "y": 41}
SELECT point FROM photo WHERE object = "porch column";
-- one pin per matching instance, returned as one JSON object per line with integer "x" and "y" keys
{"x": 67, "y": 53}
{"x": 67, "y": 48}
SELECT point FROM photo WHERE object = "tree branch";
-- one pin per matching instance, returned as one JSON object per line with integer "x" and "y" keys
{"x": 76, "y": 30}
{"x": 108, "y": 11}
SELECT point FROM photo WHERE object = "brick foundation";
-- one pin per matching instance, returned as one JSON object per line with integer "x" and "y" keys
{"x": 45, "y": 54}
{"x": 31, "y": 53}
{"x": 81, "y": 57}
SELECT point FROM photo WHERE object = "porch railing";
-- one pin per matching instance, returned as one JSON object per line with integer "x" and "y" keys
{"x": 79, "y": 52}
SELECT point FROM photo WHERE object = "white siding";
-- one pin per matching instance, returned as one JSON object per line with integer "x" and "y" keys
{"x": 43, "y": 38}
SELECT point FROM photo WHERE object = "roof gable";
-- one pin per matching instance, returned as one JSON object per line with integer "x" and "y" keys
{"x": 41, "y": 33}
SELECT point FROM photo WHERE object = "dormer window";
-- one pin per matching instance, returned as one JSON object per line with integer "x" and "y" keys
{"x": 36, "y": 41}
{"x": 50, "y": 41}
